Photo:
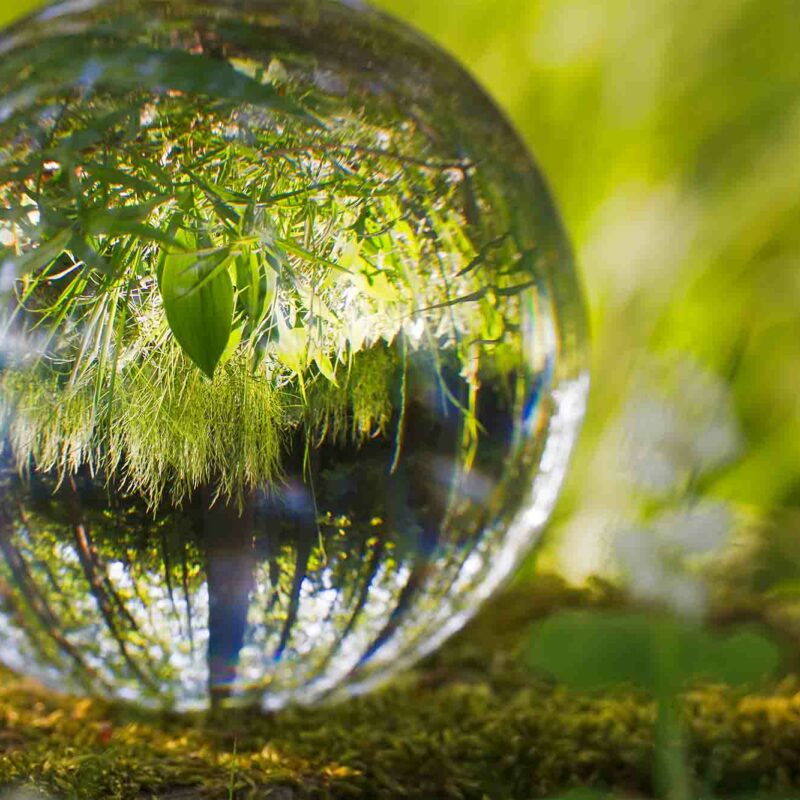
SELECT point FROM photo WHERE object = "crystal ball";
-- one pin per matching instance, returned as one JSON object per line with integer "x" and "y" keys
{"x": 292, "y": 351}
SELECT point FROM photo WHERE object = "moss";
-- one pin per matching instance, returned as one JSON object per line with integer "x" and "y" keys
{"x": 468, "y": 724}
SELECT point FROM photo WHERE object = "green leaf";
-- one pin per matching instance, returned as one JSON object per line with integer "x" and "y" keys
{"x": 142, "y": 67}
{"x": 127, "y": 227}
{"x": 125, "y": 220}
{"x": 255, "y": 291}
{"x": 314, "y": 303}
{"x": 291, "y": 348}
{"x": 198, "y": 301}
{"x": 223, "y": 210}
{"x": 323, "y": 362}
{"x": 96, "y": 130}
{"x": 112, "y": 175}
{"x": 211, "y": 188}
{"x": 234, "y": 340}
{"x": 301, "y": 252}
{"x": 375, "y": 284}
{"x": 741, "y": 658}
{"x": 591, "y": 651}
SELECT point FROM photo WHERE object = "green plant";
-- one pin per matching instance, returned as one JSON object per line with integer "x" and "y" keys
{"x": 659, "y": 654}
{"x": 200, "y": 285}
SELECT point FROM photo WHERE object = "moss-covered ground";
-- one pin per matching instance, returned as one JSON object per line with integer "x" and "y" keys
{"x": 470, "y": 722}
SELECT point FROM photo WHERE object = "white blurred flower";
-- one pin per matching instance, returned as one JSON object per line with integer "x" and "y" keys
{"x": 659, "y": 561}
{"x": 329, "y": 81}
{"x": 651, "y": 432}
{"x": 276, "y": 72}
{"x": 638, "y": 555}
{"x": 686, "y": 595}
{"x": 701, "y": 530}
{"x": 680, "y": 422}
{"x": 383, "y": 138}
{"x": 231, "y": 132}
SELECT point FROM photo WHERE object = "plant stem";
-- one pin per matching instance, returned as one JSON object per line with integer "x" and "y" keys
{"x": 672, "y": 778}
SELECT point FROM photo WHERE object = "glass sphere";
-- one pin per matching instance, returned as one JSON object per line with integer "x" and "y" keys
{"x": 292, "y": 356}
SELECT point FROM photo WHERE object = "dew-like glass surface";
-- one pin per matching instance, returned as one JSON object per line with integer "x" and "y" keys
{"x": 292, "y": 349}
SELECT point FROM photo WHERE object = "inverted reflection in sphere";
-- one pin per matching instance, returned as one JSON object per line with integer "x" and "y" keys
{"x": 292, "y": 354}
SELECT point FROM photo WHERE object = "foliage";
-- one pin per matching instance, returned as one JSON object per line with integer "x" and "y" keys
{"x": 660, "y": 654}
{"x": 283, "y": 257}
{"x": 667, "y": 132}
{"x": 594, "y": 651}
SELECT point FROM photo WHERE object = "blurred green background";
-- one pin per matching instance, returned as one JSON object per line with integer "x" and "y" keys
{"x": 669, "y": 131}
